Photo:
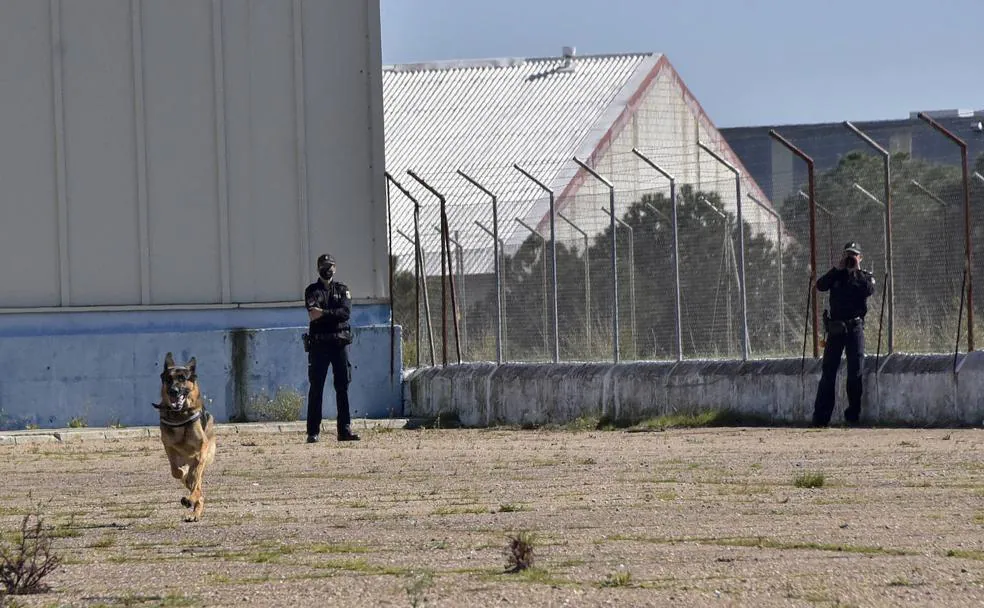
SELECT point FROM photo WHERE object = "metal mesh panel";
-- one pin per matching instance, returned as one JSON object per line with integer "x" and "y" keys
{"x": 773, "y": 242}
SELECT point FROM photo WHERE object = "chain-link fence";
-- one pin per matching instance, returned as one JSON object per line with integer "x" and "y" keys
{"x": 687, "y": 278}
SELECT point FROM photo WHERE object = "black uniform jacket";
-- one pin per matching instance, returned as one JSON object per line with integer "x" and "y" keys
{"x": 336, "y": 301}
{"x": 849, "y": 292}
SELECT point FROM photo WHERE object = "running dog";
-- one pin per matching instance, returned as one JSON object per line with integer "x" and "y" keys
{"x": 187, "y": 430}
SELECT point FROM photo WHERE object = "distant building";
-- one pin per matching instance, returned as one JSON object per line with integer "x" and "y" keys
{"x": 484, "y": 116}
{"x": 780, "y": 174}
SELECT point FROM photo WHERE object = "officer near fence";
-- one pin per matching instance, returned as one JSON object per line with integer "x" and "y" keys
{"x": 329, "y": 306}
{"x": 850, "y": 287}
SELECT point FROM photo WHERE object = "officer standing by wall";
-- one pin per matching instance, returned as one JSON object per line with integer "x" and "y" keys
{"x": 849, "y": 287}
{"x": 329, "y": 306}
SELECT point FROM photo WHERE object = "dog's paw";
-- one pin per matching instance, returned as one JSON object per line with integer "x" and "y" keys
{"x": 192, "y": 518}
{"x": 185, "y": 502}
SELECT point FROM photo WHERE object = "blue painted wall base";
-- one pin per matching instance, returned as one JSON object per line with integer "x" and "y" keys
{"x": 104, "y": 368}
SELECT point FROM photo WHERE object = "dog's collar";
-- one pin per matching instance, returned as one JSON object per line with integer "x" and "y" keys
{"x": 187, "y": 421}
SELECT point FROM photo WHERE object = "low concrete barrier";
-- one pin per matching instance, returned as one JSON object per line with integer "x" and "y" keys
{"x": 910, "y": 390}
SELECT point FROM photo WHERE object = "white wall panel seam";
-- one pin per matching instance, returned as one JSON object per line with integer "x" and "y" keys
{"x": 140, "y": 135}
{"x": 303, "y": 214}
{"x": 57, "y": 79}
{"x": 221, "y": 145}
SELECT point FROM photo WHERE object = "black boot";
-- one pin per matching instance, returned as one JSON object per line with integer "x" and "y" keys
{"x": 345, "y": 434}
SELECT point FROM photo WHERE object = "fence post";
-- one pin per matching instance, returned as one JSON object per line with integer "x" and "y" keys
{"x": 445, "y": 278}
{"x": 587, "y": 277}
{"x": 495, "y": 247}
{"x": 676, "y": 248}
{"x": 741, "y": 249}
{"x": 389, "y": 245}
{"x": 632, "y": 298}
{"x": 420, "y": 264}
{"x": 782, "y": 291}
{"x": 890, "y": 287}
{"x": 543, "y": 249}
{"x": 456, "y": 241}
{"x": 968, "y": 249}
{"x": 830, "y": 224}
{"x": 813, "y": 231}
{"x": 611, "y": 206}
{"x": 553, "y": 261}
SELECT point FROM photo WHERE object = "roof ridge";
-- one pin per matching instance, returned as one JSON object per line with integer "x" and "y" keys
{"x": 500, "y": 62}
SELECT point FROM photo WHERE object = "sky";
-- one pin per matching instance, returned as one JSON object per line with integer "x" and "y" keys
{"x": 748, "y": 62}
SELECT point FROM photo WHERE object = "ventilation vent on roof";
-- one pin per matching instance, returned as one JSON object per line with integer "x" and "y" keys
{"x": 568, "y": 53}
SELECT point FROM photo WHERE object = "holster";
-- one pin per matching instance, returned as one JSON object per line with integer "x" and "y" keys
{"x": 306, "y": 340}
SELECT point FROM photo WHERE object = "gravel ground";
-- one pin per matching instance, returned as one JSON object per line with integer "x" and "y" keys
{"x": 688, "y": 517}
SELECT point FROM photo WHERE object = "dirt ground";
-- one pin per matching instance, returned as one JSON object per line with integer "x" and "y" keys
{"x": 688, "y": 517}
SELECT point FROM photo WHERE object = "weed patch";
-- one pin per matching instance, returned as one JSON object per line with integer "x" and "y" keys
{"x": 29, "y": 559}
{"x": 809, "y": 480}
{"x": 520, "y": 553}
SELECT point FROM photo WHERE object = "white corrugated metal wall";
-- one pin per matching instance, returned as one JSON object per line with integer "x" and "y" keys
{"x": 157, "y": 152}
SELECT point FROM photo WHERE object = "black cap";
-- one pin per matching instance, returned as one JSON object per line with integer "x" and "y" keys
{"x": 325, "y": 259}
{"x": 852, "y": 247}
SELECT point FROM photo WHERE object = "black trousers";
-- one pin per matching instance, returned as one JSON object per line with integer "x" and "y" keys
{"x": 319, "y": 360}
{"x": 851, "y": 342}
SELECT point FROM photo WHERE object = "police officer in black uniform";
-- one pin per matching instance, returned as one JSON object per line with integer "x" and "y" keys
{"x": 849, "y": 287}
{"x": 329, "y": 306}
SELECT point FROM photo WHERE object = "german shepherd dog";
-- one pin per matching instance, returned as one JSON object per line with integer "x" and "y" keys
{"x": 187, "y": 430}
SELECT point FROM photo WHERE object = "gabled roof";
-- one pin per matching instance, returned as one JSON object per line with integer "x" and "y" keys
{"x": 482, "y": 117}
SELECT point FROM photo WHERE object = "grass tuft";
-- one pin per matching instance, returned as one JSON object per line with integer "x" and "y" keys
{"x": 809, "y": 480}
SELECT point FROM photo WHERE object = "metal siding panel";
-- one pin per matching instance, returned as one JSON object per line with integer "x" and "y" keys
{"x": 181, "y": 153}
{"x": 262, "y": 163}
{"x": 344, "y": 205}
{"x": 104, "y": 261}
{"x": 482, "y": 117}
{"x": 29, "y": 231}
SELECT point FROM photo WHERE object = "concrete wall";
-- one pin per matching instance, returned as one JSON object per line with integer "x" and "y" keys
{"x": 909, "y": 389}
{"x": 195, "y": 152}
{"x": 104, "y": 367}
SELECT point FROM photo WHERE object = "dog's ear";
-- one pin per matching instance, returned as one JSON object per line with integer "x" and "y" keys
{"x": 192, "y": 368}
{"x": 168, "y": 361}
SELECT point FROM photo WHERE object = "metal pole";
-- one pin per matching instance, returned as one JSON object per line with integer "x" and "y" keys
{"x": 553, "y": 261}
{"x": 445, "y": 259}
{"x": 456, "y": 241}
{"x": 632, "y": 297}
{"x": 422, "y": 278}
{"x": 676, "y": 249}
{"x": 498, "y": 296}
{"x": 498, "y": 275}
{"x": 969, "y": 262}
{"x": 741, "y": 250}
{"x": 421, "y": 264}
{"x": 813, "y": 231}
{"x": 830, "y": 224}
{"x": 889, "y": 288}
{"x": 587, "y": 278}
{"x": 727, "y": 248}
{"x": 611, "y": 206}
{"x": 543, "y": 249}
{"x": 782, "y": 292}
{"x": 389, "y": 245}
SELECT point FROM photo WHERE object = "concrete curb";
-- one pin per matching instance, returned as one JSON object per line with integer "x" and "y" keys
{"x": 143, "y": 432}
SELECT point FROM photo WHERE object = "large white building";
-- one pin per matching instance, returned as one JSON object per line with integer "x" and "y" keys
{"x": 484, "y": 116}
{"x": 169, "y": 172}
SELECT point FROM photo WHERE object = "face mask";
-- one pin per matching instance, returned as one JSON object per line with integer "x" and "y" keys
{"x": 326, "y": 273}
